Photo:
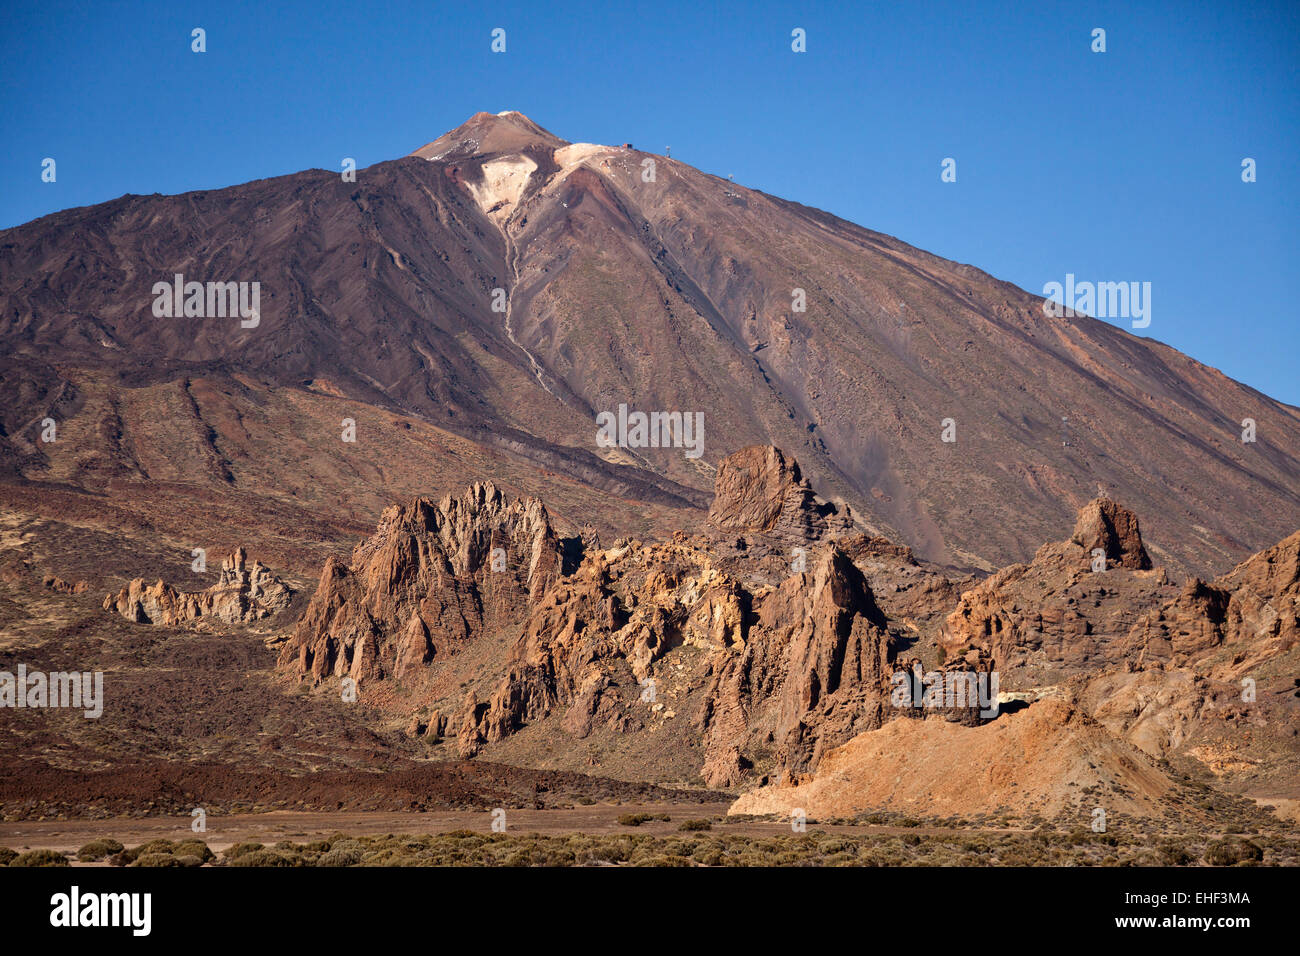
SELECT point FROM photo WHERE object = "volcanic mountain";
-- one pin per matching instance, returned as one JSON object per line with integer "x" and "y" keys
{"x": 472, "y": 307}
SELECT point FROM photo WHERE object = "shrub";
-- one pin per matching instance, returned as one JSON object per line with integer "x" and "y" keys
{"x": 194, "y": 848}
{"x": 128, "y": 857}
{"x": 7, "y": 855}
{"x": 340, "y": 857}
{"x": 39, "y": 858}
{"x": 262, "y": 857}
{"x": 98, "y": 849}
{"x": 1233, "y": 851}
{"x": 239, "y": 849}
{"x": 635, "y": 819}
{"x": 663, "y": 861}
{"x": 156, "y": 860}
{"x": 695, "y": 825}
{"x": 1173, "y": 853}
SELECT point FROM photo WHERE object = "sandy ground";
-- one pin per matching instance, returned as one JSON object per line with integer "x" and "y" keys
{"x": 270, "y": 828}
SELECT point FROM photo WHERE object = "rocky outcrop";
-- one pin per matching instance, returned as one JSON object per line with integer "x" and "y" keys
{"x": 1213, "y": 674}
{"x": 432, "y": 577}
{"x": 916, "y": 595}
{"x": 56, "y": 583}
{"x": 756, "y": 644}
{"x": 1248, "y": 615}
{"x": 1205, "y": 674}
{"x": 1063, "y": 614}
{"x": 786, "y": 670}
{"x": 601, "y": 630}
{"x": 758, "y": 490}
{"x": 1103, "y": 525}
{"x": 812, "y": 674}
{"x": 244, "y": 592}
{"x": 1035, "y": 761}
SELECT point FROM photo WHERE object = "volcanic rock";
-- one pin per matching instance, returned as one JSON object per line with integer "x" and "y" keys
{"x": 802, "y": 664}
{"x": 672, "y": 293}
{"x": 758, "y": 490}
{"x": 431, "y": 578}
{"x": 1103, "y": 525}
{"x": 1028, "y": 762}
{"x": 243, "y": 593}
{"x": 1254, "y": 611}
{"x": 1061, "y": 614}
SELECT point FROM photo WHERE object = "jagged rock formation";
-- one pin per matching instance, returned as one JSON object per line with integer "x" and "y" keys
{"x": 1253, "y": 612}
{"x": 799, "y": 667}
{"x": 916, "y": 595}
{"x": 1057, "y": 616}
{"x": 813, "y": 674}
{"x": 1221, "y": 654}
{"x": 56, "y": 583}
{"x": 431, "y": 578}
{"x": 1104, "y": 526}
{"x": 758, "y": 490}
{"x": 244, "y": 592}
{"x": 1206, "y": 674}
{"x": 602, "y": 629}
{"x": 717, "y": 654}
{"x": 783, "y": 671}
{"x": 773, "y": 672}
{"x": 1205, "y": 671}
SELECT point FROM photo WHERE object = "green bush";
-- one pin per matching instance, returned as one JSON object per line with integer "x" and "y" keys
{"x": 128, "y": 857}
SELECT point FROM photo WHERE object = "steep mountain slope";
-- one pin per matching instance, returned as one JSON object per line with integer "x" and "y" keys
{"x": 630, "y": 279}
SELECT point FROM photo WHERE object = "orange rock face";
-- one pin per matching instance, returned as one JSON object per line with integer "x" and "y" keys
{"x": 751, "y": 649}
{"x": 759, "y": 491}
{"x": 1105, "y": 526}
{"x": 792, "y": 669}
{"x": 776, "y": 672}
{"x": 1062, "y": 614}
{"x": 1253, "y": 611}
{"x": 431, "y": 577}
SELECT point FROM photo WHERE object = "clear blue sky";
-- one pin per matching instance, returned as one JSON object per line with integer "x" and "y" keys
{"x": 1116, "y": 166}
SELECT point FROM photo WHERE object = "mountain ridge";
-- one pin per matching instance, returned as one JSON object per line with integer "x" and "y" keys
{"x": 672, "y": 294}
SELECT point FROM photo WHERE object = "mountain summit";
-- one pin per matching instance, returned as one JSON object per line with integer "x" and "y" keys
{"x": 490, "y": 134}
{"x": 506, "y": 287}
